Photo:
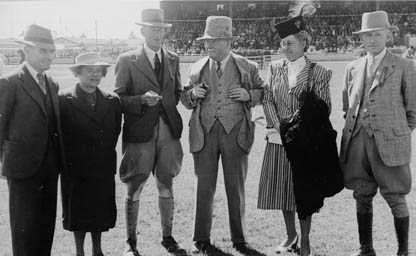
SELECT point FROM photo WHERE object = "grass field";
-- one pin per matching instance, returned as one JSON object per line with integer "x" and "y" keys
{"x": 334, "y": 229}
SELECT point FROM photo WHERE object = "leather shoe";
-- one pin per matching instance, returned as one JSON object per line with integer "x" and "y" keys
{"x": 291, "y": 247}
{"x": 244, "y": 248}
{"x": 171, "y": 245}
{"x": 365, "y": 251}
{"x": 204, "y": 247}
{"x": 131, "y": 252}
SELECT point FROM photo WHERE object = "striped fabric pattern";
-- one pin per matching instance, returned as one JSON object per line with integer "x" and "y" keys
{"x": 280, "y": 101}
{"x": 276, "y": 188}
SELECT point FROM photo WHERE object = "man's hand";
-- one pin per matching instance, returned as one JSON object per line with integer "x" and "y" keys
{"x": 199, "y": 91}
{"x": 239, "y": 94}
{"x": 150, "y": 98}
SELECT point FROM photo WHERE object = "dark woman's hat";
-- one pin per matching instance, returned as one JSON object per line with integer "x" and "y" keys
{"x": 291, "y": 26}
{"x": 38, "y": 36}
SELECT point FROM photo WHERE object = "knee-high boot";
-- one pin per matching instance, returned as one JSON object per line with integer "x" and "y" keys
{"x": 402, "y": 231}
{"x": 166, "y": 207}
{"x": 132, "y": 213}
{"x": 365, "y": 232}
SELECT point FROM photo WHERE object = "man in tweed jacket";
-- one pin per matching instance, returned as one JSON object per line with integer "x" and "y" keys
{"x": 379, "y": 100}
{"x": 222, "y": 89}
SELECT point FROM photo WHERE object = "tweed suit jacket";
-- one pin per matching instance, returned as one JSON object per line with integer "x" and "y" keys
{"x": 392, "y": 106}
{"x": 24, "y": 127}
{"x": 249, "y": 79}
{"x": 134, "y": 77}
{"x": 280, "y": 101}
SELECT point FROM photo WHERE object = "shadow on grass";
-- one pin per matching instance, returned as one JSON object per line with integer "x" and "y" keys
{"x": 252, "y": 252}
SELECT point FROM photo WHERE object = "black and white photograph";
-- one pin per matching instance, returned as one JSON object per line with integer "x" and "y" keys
{"x": 207, "y": 127}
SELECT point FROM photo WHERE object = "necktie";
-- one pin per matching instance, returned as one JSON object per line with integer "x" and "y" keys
{"x": 42, "y": 83}
{"x": 158, "y": 66}
{"x": 372, "y": 66}
{"x": 219, "y": 70}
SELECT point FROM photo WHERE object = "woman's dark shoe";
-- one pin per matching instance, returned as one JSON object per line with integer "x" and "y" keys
{"x": 288, "y": 247}
{"x": 171, "y": 245}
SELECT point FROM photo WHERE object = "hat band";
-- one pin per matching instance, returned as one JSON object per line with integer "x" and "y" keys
{"x": 153, "y": 21}
{"x": 39, "y": 39}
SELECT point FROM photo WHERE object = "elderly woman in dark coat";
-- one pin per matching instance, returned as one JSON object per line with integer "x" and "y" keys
{"x": 91, "y": 120}
{"x": 288, "y": 78}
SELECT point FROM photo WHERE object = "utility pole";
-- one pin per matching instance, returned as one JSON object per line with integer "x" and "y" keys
{"x": 230, "y": 11}
{"x": 96, "y": 34}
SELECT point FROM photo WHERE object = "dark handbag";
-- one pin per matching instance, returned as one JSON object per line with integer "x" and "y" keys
{"x": 309, "y": 141}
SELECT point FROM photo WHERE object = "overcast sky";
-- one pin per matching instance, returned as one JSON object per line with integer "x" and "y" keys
{"x": 115, "y": 18}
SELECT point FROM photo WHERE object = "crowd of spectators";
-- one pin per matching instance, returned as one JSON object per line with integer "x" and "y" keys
{"x": 253, "y": 24}
{"x": 331, "y": 26}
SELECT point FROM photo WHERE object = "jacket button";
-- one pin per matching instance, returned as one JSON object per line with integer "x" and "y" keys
{"x": 350, "y": 130}
{"x": 55, "y": 134}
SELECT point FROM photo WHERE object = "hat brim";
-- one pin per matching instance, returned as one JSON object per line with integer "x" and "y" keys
{"x": 37, "y": 44}
{"x": 207, "y": 37}
{"x": 102, "y": 64}
{"x": 152, "y": 24}
{"x": 392, "y": 29}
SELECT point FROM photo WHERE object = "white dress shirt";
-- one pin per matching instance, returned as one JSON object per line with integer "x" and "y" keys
{"x": 151, "y": 55}
{"x": 223, "y": 62}
{"x": 374, "y": 61}
{"x": 293, "y": 69}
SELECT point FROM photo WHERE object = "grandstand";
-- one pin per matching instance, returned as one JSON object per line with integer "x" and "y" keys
{"x": 253, "y": 21}
{"x": 331, "y": 26}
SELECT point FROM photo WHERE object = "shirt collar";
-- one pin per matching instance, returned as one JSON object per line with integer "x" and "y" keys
{"x": 298, "y": 64}
{"x": 223, "y": 62}
{"x": 32, "y": 71}
{"x": 377, "y": 59}
{"x": 151, "y": 54}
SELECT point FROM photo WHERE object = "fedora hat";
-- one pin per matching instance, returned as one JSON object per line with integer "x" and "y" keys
{"x": 372, "y": 21}
{"x": 38, "y": 36}
{"x": 153, "y": 18}
{"x": 218, "y": 27}
{"x": 88, "y": 59}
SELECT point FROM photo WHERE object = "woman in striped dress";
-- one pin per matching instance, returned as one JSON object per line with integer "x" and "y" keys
{"x": 287, "y": 78}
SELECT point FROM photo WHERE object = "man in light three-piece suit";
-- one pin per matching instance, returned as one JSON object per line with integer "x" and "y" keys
{"x": 149, "y": 85}
{"x": 222, "y": 90}
{"x": 379, "y": 100}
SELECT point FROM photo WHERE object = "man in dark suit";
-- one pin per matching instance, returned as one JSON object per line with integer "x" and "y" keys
{"x": 30, "y": 145}
{"x": 149, "y": 85}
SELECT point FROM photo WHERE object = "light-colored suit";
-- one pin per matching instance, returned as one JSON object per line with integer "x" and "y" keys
{"x": 249, "y": 79}
{"x": 392, "y": 106}
{"x": 220, "y": 126}
{"x": 376, "y": 140}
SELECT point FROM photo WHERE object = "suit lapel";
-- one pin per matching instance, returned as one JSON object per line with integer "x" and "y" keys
{"x": 143, "y": 64}
{"x": 32, "y": 88}
{"x": 358, "y": 75}
{"x": 384, "y": 70}
{"x": 167, "y": 62}
{"x": 53, "y": 90}
{"x": 83, "y": 107}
